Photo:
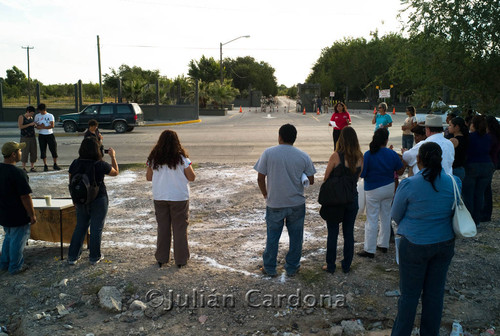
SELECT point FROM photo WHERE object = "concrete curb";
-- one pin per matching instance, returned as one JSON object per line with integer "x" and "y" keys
{"x": 174, "y": 123}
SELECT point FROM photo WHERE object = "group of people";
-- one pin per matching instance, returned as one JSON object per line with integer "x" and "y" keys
{"x": 44, "y": 122}
{"x": 421, "y": 205}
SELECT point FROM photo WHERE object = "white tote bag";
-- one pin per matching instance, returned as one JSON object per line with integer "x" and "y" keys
{"x": 463, "y": 224}
{"x": 361, "y": 196}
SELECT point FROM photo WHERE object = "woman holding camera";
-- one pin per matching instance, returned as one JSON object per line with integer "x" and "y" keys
{"x": 170, "y": 170}
{"x": 93, "y": 214}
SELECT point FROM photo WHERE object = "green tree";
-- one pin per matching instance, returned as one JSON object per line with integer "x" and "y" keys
{"x": 138, "y": 85}
{"x": 206, "y": 69}
{"x": 468, "y": 36}
{"x": 246, "y": 71}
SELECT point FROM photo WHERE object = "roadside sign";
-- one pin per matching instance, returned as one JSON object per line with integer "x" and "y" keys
{"x": 332, "y": 94}
{"x": 386, "y": 93}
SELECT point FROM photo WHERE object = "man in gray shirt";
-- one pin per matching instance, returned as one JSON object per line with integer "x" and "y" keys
{"x": 284, "y": 166}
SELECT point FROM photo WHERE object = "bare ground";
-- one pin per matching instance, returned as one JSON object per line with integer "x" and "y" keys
{"x": 226, "y": 293}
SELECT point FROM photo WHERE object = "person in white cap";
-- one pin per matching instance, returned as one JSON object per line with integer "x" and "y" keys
{"x": 434, "y": 132}
{"x": 16, "y": 209}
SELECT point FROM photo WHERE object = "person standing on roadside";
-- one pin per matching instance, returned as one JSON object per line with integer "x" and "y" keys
{"x": 284, "y": 167}
{"x": 27, "y": 125}
{"x": 382, "y": 119}
{"x": 340, "y": 119}
{"x": 410, "y": 122}
{"x": 16, "y": 209}
{"x": 45, "y": 124}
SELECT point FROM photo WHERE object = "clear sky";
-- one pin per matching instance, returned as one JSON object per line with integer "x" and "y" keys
{"x": 165, "y": 35}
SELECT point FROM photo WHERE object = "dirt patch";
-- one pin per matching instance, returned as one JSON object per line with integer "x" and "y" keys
{"x": 221, "y": 291}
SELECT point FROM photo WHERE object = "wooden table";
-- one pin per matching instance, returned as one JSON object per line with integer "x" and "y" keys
{"x": 55, "y": 223}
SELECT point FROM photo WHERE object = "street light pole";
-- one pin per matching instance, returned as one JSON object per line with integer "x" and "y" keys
{"x": 221, "y": 44}
{"x": 29, "y": 78}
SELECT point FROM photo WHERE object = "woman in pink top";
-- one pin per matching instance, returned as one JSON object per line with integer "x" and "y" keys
{"x": 340, "y": 119}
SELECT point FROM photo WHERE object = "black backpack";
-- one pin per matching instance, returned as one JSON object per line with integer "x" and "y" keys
{"x": 83, "y": 187}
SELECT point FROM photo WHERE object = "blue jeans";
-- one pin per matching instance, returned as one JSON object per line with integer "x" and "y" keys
{"x": 276, "y": 218}
{"x": 350, "y": 213}
{"x": 13, "y": 246}
{"x": 422, "y": 270}
{"x": 477, "y": 178}
{"x": 407, "y": 141}
{"x": 93, "y": 215}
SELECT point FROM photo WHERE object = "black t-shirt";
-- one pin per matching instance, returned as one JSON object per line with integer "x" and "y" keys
{"x": 13, "y": 185}
{"x": 85, "y": 166}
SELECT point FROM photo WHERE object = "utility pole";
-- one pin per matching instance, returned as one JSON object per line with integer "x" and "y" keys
{"x": 99, "y": 63}
{"x": 29, "y": 78}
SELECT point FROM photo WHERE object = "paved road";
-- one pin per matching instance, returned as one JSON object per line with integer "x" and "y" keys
{"x": 235, "y": 138}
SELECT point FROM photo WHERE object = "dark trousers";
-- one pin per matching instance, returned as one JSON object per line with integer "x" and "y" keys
{"x": 44, "y": 140}
{"x": 422, "y": 271}
{"x": 336, "y": 135}
{"x": 350, "y": 213}
{"x": 92, "y": 215}
{"x": 477, "y": 178}
{"x": 172, "y": 217}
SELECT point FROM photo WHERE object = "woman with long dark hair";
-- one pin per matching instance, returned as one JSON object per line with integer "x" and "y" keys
{"x": 379, "y": 165}
{"x": 170, "y": 170}
{"x": 93, "y": 214}
{"x": 340, "y": 119}
{"x": 422, "y": 209}
{"x": 460, "y": 139}
{"x": 478, "y": 169}
{"x": 349, "y": 155}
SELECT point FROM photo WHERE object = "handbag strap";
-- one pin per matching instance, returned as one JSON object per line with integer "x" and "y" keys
{"x": 455, "y": 192}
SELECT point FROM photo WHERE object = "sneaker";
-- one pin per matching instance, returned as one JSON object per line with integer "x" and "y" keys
{"x": 73, "y": 262}
{"x": 97, "y": 261}
{"x": 23, "y": 268}
{"x": 261, "y": 268}
{"x": 365, "y": 254}
{"x": 45, "y": 168}
{"x": 33, "y": 170}
{"x": 56, "y": 167}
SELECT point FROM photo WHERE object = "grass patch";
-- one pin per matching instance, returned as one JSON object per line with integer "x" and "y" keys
{"x": 488, "y": 248}
{"x": 93, "y": 288}
{"x": 96, "y": 274}
{"x": 310, "y": 276}
{"x": 130, "y": 288}
{"x": 379, "y": 270}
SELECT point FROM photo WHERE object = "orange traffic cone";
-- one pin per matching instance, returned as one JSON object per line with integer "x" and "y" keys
{"x": 393, "y": 110}
{"x": 241, "y": 109}
{"x": 317, "y": 111}
{"x": 304, "y": 113}
{"x": 374, "y": 110}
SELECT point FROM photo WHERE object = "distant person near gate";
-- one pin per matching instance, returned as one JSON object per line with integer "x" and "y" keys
{"x": 340, "y": 119}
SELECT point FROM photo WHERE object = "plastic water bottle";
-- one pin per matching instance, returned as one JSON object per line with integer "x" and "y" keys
{"x": 456, "y": 329}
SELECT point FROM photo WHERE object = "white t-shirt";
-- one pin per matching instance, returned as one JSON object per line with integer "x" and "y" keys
{"x": 448, "y": 156}
{"x": 45, "y": 119}
{"x": 171, "y": 184}
{"x": 408, "y": 122}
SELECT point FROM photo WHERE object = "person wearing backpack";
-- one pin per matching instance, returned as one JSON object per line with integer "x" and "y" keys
{"x": 91, "y": 209}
